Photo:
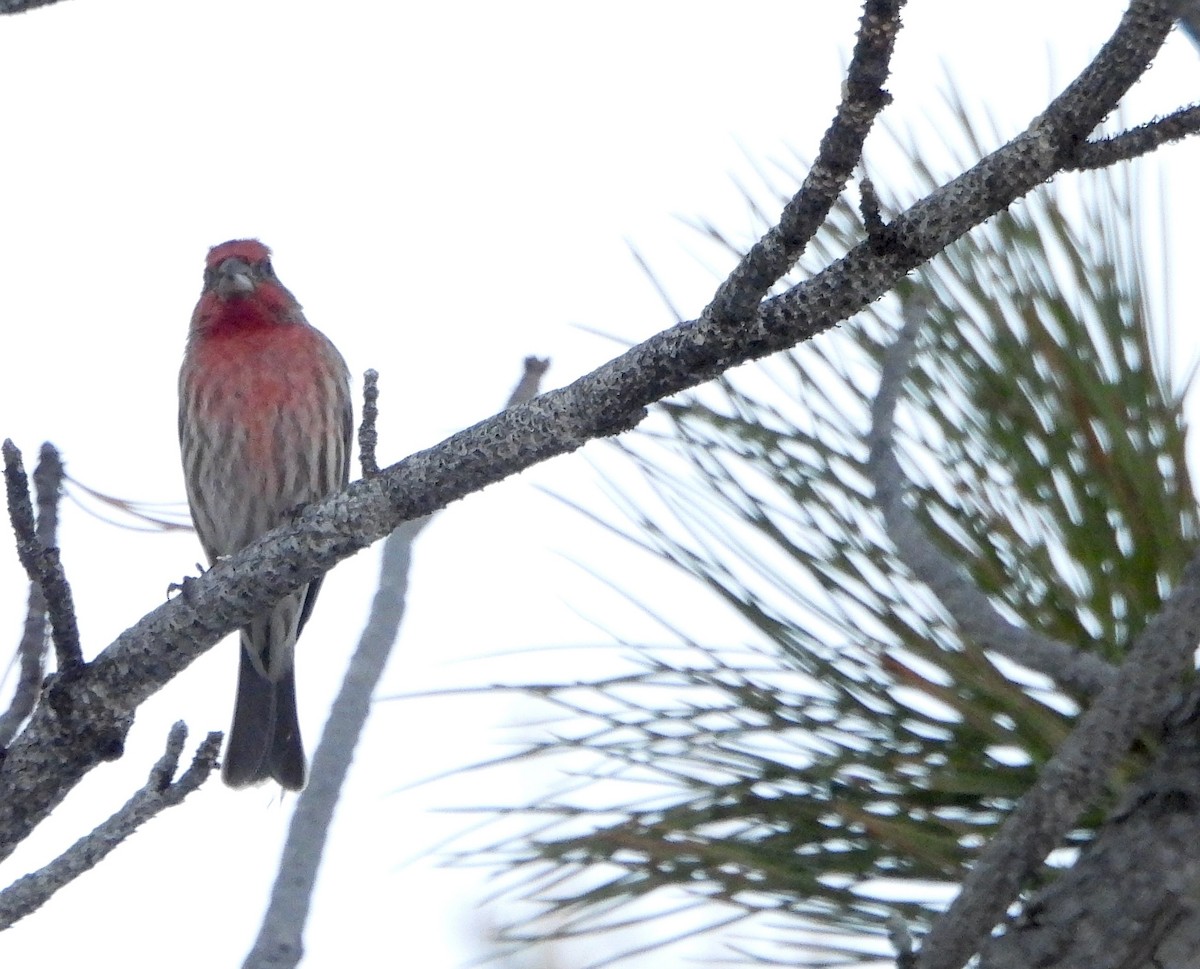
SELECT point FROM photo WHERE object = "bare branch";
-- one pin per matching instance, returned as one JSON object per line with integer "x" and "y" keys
{"x": 1073, "y": 778}
{"x": 280, "y": 937}
{"x": 31, "y": 651}
{"x": 20, "y": 6}
{"x": 1138, "y": 875}
{"x": 41, "y": 562}
{"x": 368, "y": 437}
{"x": 47, "y": 484}
{"x": 61, "y": 744}
{"x": 971, "y": 610}
{"x": 31, "y": 657}
{"x": 20, "y": 509}
{"x": 869, "y": 208}
{"x": 1138, "y": 141}
{"x": 775, "y": 253}
{"x": 531, "y": 381}
{"x": 29, "y": 893}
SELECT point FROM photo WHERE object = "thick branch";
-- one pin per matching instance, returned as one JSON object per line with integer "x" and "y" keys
{"x": 1139, "y": 876}
{"x": 65, "y": 740}
{"x": 1073, "y": 778}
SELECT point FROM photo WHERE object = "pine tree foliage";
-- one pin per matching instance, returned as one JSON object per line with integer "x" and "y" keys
{"x": 856, "y": 748}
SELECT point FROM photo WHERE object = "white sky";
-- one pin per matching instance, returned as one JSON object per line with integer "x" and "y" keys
{"x": 447, "y": 188}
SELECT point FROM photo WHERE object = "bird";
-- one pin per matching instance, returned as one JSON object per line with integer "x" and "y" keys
{"x": 265, "y": 422}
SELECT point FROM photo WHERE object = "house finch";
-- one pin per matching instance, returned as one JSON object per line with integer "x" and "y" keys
{"x": 264, "y": 428}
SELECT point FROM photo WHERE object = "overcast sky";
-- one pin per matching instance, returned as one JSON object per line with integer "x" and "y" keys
{"x": 447, "y": 188}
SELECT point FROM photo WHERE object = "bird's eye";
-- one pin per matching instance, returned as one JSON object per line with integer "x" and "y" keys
{"x": 266, "y": 267}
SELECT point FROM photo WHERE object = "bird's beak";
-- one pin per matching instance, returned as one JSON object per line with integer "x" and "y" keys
{"x": 234, "y": 278}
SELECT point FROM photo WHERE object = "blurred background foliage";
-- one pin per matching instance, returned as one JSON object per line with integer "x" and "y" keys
{"x": 845, "y": 761}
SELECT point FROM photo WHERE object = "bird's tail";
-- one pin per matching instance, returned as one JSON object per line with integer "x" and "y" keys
{"x": 264, "y": 741}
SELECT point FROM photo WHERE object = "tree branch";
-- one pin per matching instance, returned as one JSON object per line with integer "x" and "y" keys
{"x": 64, "y": 740}
{"x": 26, "y": 895}
{"x": 1138, "y": 141}
{"x": 531, "y": 381}
{"x": 869, "y": 210}
{"x": 41, "y": 562}
{"x": 47, "y": 482}
{"x": 971, "y": 610}
{"x": 771, "y": 258}
{"x": 368, "y": 436}
{"x": 1139, "y": 876}
{"x": 280, "y": 937}
{"x": 21, "y": 6}
{"x": 1073, "y": 778}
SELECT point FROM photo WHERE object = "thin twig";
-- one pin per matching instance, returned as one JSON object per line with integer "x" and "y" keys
{"x": 47, "y": 481}
{"x": 841, "y": 148}
{"x": 31, "y": 665}
{"x": 20, "y": 509}
{"x": 368, "y": 436}
{"x": 29, "y": 893}
{"x": 47, "y": 484}
{"x": 869, "y": 208}
{"x": 531, "y": 380}
{"x": 41, "y": 562}
{"x": 1137, "y": 141}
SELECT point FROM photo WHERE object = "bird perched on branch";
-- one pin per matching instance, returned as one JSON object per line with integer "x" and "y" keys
{"x": 264, "y": 429}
